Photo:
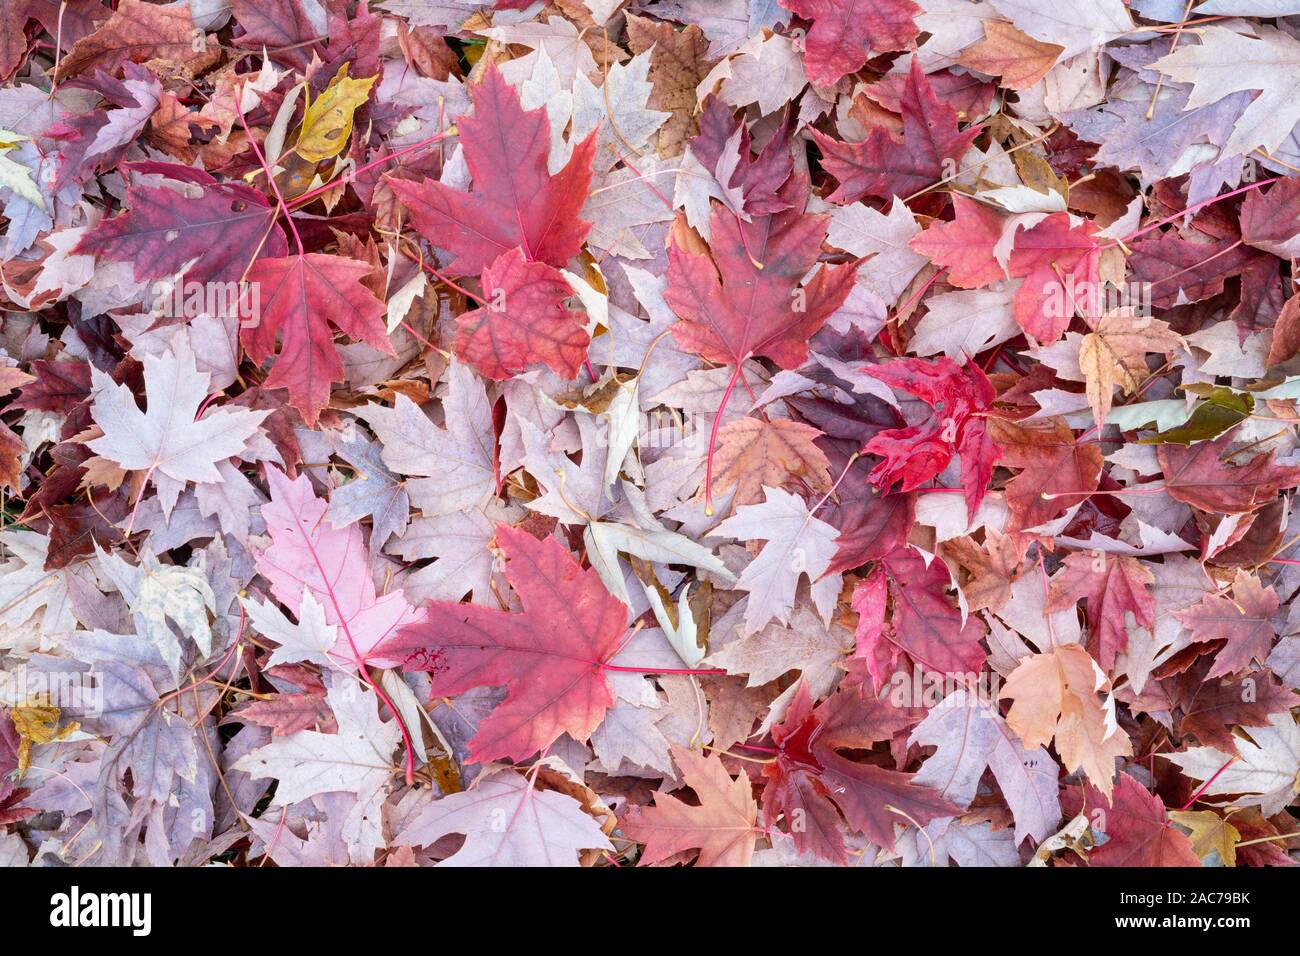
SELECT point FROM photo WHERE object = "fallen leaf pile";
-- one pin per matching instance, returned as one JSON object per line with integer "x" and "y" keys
{"x": 649, "y": 432}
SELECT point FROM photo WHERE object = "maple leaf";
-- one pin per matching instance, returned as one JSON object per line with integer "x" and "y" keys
{"x": 870, "y": 526}
{"x": 170, "y": 442}
{"x": 217, "y": 233}
{"x": 282, "y": 27}
{"x": 1225, "y": 62}
{"x": 164, "y": 600}
{"x": 797, "y": 544}
{"x": 550, "y": 658}
{"x": 1138, "y": 831}
{"x": 753, "y": 453}
{"x": 884, "y": 167}
{"x": 302, "y": 298}
{"x": 1114, "y": 353}
{"x": 925, "y": 625}
{"x": 1114, "y": 586}
{"x": 1181, "y": 270}
{"x": 307, "y": 556}
{"x": 970, "y": 736}
{"x": 1055, "y": 694}
{"x": 1211, "y": 708}
{"x": 524, "y": 321}
{"x": 678, "y": 64}
{"x": 844, "y": 31}
{"x": 1199, "y": 476}
{"x": 721, "y": 827}
{"x": 357, "y": 759}
{"x": 811, "y": 783}
{"x": 507, "y": 821}
{"x": 136, "y": 32}
{"x": 1209, "y": 834}
{"x": 914, "y": 455}
{"x": 1019, "y": 59}
{"x": 1243, "y": 622}
{"x": 966, "y": 244}
{"x": 1267, "y": 218}
{"x": 1286, "y": 333}
{"x": 735, "y": 304}
{"x": 13, "y": 47}
{"x": 1055, "y": 258}
{"x": 1056, "y": 471}
{"x": 991, "y": 568}
{"x": 1265, "y": 766}
{"x": 807, "y": 646}
{"x": 516, "y": 202}
{"x": 751, "y": 186}
{"x": 450, "y": 469}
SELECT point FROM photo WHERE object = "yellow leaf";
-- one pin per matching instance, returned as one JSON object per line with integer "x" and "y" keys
{"x": 1210, "y": 832}
{"x": 327, "y": 122}
{"x": 37, "y": 724}
{"x": 15, "y": 175}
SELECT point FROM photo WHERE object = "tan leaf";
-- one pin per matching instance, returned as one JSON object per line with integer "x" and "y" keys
{"x": 753, "y": 453}
{"x": 677, "y": 66}
{"x": 1018, "y": 58}
{"x": 172, "y": 125}
{"x": 721, "y": 827}
{"x": 987, "y": 571}
{"x": 1114, "y": 353}
{"x": 1056, "y": 694}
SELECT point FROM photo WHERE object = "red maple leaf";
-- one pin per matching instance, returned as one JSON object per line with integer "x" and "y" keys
{"x": 720, "y": 827}
{"x": 59, "y": 386}
{"x": 925, "y": 625}
{"x": 810, "y": 784}
{"x": 300, "y": 298}
{"x": 13, "y": 42}
{"x": 1059, "y": 263}
{"x": 745, "y": 299}
{"x": 1057, "y": 471}
{"x": 1113, "y": 585}
{"x": 724, "y": 138}
{"x": 1268, "y": 219}
{"x": 1179, "y": 270}
{"x": 870, "y": 525}
{"x": 515, "y": 201}
{"x": 965, "y": 245}
{"x": 843, "y": 31}
{"x": 282, "y": 27}
{"x": 1138, "y": 829}
{"x": 913, "y": 455}
{"x": 223, "y": 229}
{"x": 1243, "y": 622}
{"x": 1211, "y": 708}
{"x": 882, "y": 166}
{"x": 550, "y": 658}
{"x": 1196, "y": 475}
{"x": 523, "y": 321}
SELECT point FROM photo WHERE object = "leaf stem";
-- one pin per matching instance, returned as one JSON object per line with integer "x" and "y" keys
{"x": 300, "y": 201}
{"x": 270, "y": 176}
{"x": 713, "y": 438}
{"x": 706, "y": 671}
